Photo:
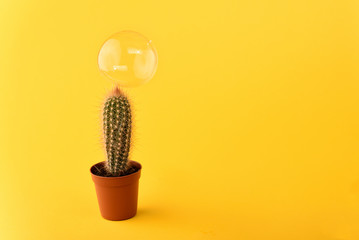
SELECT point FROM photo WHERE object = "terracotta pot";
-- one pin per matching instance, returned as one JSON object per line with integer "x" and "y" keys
{"x": 117, "y": 196}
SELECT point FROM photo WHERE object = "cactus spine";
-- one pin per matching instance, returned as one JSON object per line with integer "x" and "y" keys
{"x": 117, "y": 132}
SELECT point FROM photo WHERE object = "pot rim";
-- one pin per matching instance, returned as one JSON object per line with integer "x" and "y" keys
{"x": 137, "y": 164}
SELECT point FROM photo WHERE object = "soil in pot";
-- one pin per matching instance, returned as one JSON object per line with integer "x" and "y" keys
{"x": 100, "y": 170}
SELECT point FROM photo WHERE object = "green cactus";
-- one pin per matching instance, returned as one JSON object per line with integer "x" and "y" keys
{"x": 117, "y": 132}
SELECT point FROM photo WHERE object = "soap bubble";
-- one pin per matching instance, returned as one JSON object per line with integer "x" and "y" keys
{"x": 128, "y": 58}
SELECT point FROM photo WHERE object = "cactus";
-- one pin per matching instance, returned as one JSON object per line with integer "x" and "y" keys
{"x": 117, "y": 132}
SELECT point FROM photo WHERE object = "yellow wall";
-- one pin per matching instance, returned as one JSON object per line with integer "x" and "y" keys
{"x": 249, "y": 129}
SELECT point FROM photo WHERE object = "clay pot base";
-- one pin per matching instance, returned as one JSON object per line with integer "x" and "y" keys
{"x": 100, "y": 170}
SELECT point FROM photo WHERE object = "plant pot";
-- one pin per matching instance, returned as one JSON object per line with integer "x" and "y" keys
{"x": 117, "y": 196}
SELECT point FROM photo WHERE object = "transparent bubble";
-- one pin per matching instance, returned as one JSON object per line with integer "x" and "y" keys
{"x": 128, "y": 58}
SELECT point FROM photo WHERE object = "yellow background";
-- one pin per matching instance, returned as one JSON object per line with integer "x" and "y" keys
{"x": 249, "y": 129}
